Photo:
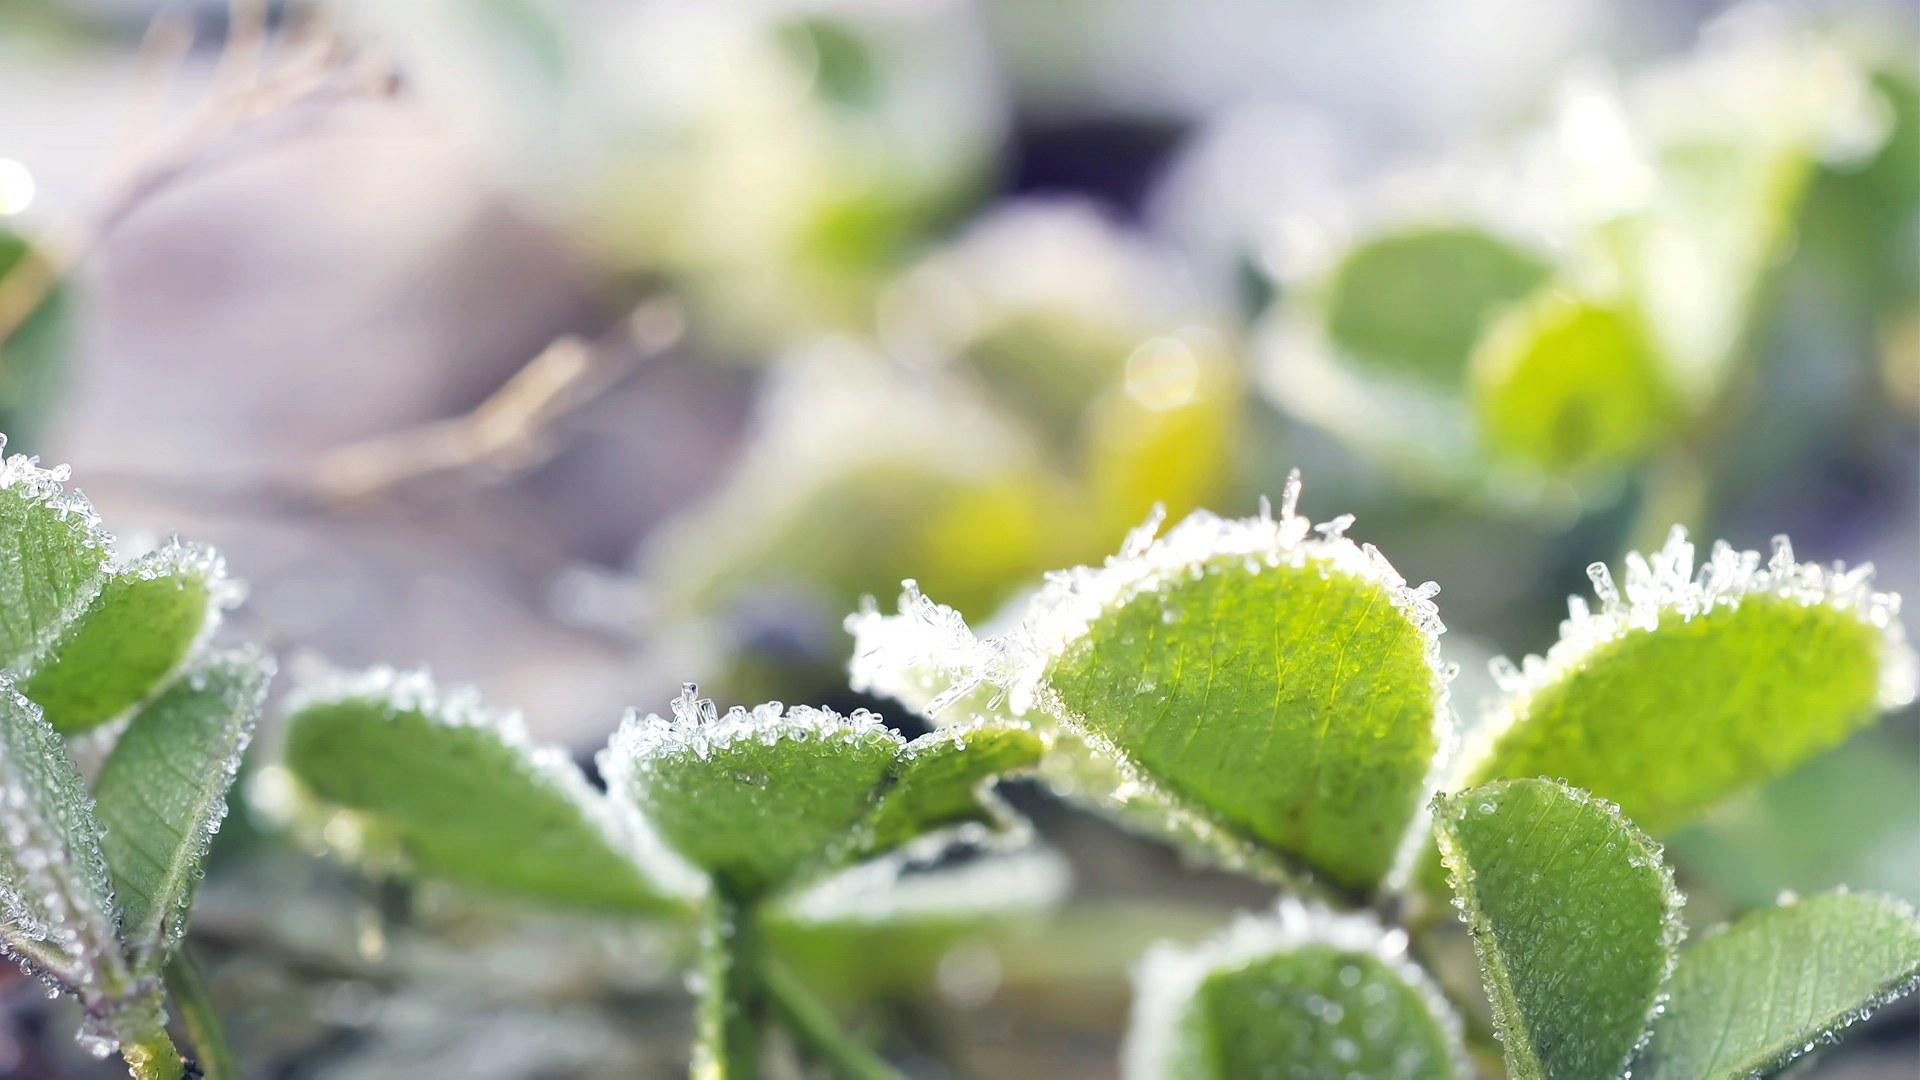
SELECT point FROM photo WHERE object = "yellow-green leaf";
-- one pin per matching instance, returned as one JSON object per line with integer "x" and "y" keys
{"x": 1685, "y": 687}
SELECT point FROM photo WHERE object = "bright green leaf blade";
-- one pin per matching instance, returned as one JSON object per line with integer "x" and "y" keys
{"x": 162, "y": 795}
{"x": 1304, "y": 993}
{"x": 1414, "y": 303}
{"x": 753, "y": 799}
{"x": 53, "y": 554}
{"x": 1691, "y": 687}
{"x": 467, "y": 797}
{"x": 940, "y": 781}
{"x": 143, "y": 624}
{"x": 1775, "y": 984}
{"x": 1289, "y": 689}
{"x": 1571, "y": 387}
{"x": 54, "y": 888}
{"x": 1574, "y": 917}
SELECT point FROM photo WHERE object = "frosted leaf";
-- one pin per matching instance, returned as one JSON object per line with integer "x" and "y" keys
{"x": 1750, "y": 998}
{"x": 55, "y": 891}
{"x": 1197, "y": 751}
{"x": 90, "y": 634}
{"x": 1692, "y": 683}
{"x": 150, "y": 617}
{"x": 162, "y": 794}
{"x": 465, "y": 794}
{"x": 1552, "y": 881}
{"x": 1307, "y": 989}
{"x": 761, "y": 798}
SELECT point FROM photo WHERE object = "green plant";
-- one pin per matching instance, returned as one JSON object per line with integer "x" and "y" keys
{"x": 105, "y": 660}
{"x": 714, "y": 820}
{"x": 1264, "y": 693}
{"x": 1271, "y": 695}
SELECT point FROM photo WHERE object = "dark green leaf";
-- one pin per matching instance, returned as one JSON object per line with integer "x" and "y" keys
{"x": 1574, "y": 917}
{"x": 162, "y": 794}
{"x": 1771, "y": 987}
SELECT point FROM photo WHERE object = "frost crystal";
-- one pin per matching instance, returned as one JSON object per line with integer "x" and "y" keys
{"x": 415, "y": 691}
{"x": 698, "y": 728}
{"x": 1666, "y": 584}
{"x": 1169, "y": 976}
{"x": 1673, "y": 926}
{"x": 46, "y": 488}
{"x": 55, "y": 891}
{"x": 926, "y": 657}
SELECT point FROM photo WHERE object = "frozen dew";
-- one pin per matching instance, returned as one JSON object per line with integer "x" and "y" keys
{"x": 414, "y": 692}
{"x": 1666, "y": 583}
{"x": 1169, "y": 977}
{"x": 697, "y": 728}
{"x": 927, "y": 657}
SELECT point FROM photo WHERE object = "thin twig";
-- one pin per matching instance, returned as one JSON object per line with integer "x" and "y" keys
{"x": 510, "y": 431}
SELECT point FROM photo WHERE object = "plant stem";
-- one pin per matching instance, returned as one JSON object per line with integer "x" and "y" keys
{"x": 813, "y": 1024}
{"x": 204, "y": 1033}
{"x": 150, "y": 1055}
{"x": 732, "y": 999}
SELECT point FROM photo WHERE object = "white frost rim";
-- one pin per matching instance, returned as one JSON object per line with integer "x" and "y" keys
{"x": 1169, "y": 975}
{"x": 910, "y": 655}
{"x": 1666, "y": 583}
{"x": 396, "y": 690}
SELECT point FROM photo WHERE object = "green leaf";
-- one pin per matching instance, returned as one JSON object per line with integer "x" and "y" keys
{"x": 162, "y": 795}
{"x": 465, "y": 796}
{"x": 1570, "y": 386}
{"x": 751, "y": 798}
{"x": 138, "y": 630}
{"x": 761, "y": 799}
{"x": 55, "y": 556}
{"x": 940, "y": 782}
{"x": 1574, "y": 918}
{"x": 1754, "y": 996}
{"x": 1302, "y": 993}
{"x": 1237, "y": 684}
{"x": 86, "y": 637}
{"x": 1413, "y": 303}
{"x": 54, "y": 888}
{"x": 1690, "y": 687}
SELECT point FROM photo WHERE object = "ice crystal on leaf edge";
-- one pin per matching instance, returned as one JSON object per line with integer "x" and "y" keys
{"x": 1169, "y": 975}
{"x": 1666, "y": 583}
{"x": 910, "y": 654}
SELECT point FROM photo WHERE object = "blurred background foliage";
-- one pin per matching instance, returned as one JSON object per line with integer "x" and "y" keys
{"x": 583, "y": 348}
